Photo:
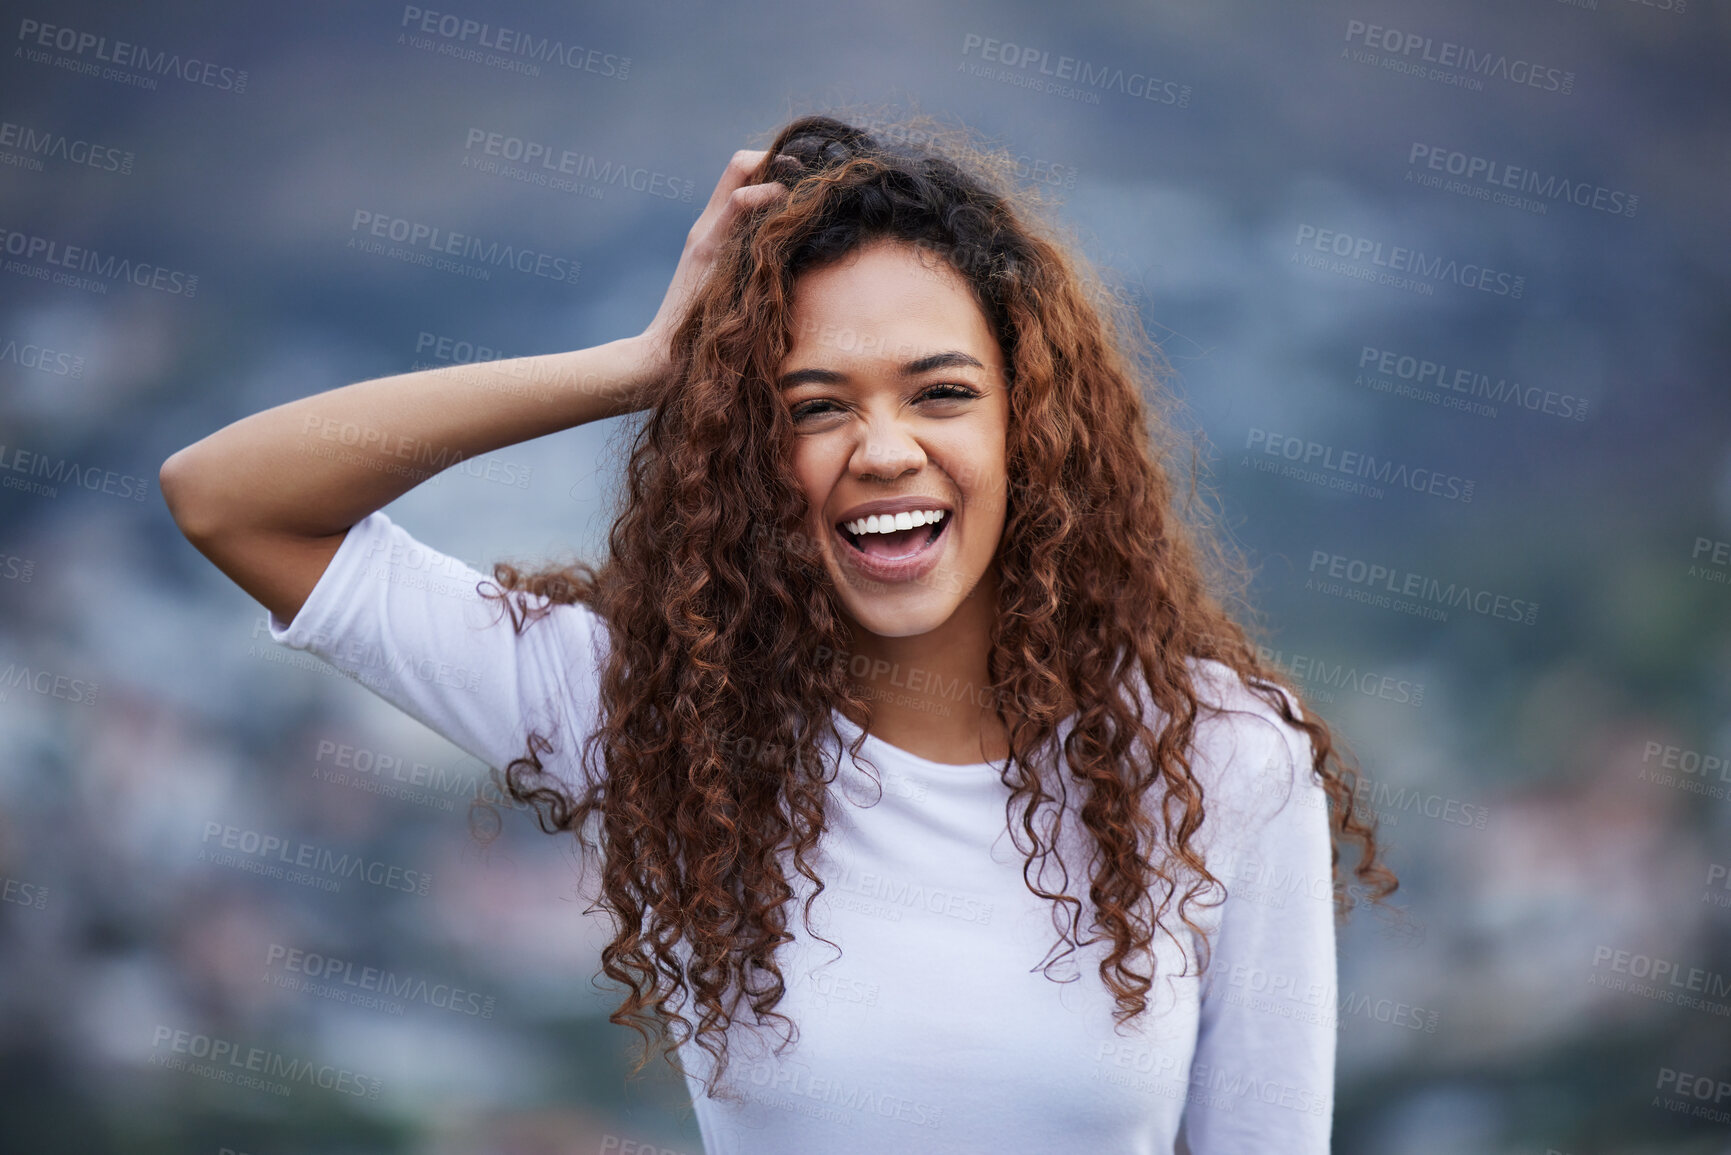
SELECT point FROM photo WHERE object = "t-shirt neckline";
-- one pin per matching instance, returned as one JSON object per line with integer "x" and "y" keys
{"x": 850, "y": 727}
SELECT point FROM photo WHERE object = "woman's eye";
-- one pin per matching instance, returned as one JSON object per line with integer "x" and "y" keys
{"x": 807, "y": 409}
{"x": 948, "y": 392}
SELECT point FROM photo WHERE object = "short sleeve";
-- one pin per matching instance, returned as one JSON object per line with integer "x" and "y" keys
{"x": 1262, "y": 1075}
{"x": 410, "y": 624}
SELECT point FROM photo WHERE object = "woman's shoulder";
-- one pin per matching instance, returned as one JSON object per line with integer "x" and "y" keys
{"x": 1242, "y": 748}
{"x": 1222, "y": 691}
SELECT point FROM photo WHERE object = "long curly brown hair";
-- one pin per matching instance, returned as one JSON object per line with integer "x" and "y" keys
{"x": 725, "y": 630}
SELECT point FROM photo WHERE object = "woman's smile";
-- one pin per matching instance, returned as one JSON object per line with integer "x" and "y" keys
{"x": 907, "y": 549}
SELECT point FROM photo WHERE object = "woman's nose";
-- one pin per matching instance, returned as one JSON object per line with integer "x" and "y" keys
{"x": 886, "y": 449}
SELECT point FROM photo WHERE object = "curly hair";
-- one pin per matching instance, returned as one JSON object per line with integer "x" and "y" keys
{"x": 717, "y": 691}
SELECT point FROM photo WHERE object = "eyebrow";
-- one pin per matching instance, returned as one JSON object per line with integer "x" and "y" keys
{"x": 948, "y": 359}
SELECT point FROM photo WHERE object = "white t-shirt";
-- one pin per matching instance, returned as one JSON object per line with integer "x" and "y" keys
{"x": 936, "y": 1028}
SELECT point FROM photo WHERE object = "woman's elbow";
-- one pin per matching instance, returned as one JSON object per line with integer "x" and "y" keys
{"x": 183, "y": 489}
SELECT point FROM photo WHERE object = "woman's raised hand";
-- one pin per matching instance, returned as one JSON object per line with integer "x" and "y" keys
{"x": 732, "y": 196}
{"x": 270, "y": 497}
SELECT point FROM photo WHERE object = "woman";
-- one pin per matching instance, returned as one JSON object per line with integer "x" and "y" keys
{"x": 1070, "y": 887}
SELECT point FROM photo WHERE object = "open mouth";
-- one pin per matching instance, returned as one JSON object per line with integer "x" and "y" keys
{"x": 896, "y": 543}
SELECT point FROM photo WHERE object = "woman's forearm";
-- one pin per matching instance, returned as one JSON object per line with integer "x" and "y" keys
{"x": 315, "y": 466}
{"x": 270, "y": 499}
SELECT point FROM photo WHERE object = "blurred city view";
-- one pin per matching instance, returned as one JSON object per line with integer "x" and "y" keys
{"x": 1446, "y": 296}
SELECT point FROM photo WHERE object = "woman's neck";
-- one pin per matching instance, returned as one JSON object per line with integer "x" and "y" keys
{"x": 931, "y": 694}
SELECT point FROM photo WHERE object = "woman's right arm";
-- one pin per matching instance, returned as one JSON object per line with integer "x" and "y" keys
{"x": 269, "y": 498}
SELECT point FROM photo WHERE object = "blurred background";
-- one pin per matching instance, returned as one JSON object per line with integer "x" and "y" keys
{"x": 1445, "y": 291}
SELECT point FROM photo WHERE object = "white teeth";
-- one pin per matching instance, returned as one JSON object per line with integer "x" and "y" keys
{"x": 891, "y": 523}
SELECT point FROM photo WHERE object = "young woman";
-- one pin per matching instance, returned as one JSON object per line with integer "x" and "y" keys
{"x": 938, "y": 801}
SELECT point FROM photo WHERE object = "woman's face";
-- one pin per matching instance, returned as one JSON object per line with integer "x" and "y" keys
{"x": 895, "y": 385}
